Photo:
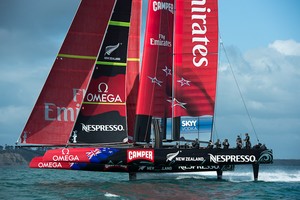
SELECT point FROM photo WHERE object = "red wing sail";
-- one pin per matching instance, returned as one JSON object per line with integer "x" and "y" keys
{"x": 133, "y": 65}
{"x": 102, "y": 118}
{"x": 56, "y": 109}
{"x": 196, "y": 56}
{"x": 156, "y": 77}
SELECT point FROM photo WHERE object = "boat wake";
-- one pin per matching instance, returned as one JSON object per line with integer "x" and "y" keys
{"x": 111, "y": 195}
{"x": 265, "y": 176}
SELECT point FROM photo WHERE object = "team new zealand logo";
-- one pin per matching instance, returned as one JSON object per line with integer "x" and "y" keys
{"x": 171, "y": 157}
{"x": 111, "y": 48}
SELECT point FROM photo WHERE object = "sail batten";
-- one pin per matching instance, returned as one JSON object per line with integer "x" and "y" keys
{"x": 117, "y": 64}
{"x": 77, "y": 56}
{"x": 119, "y": 23}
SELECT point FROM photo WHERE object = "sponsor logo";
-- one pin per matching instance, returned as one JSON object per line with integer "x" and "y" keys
{"x": 65, "y": 157}
{"x": 49, "y": 165}
{"x": 189, "y": 125}
{"x": 166, "y": 169}
{"x": 53, "y": 112}
{"x": 103, "y": 95}
{"x": 140, "y": 154}
{"x": 190, "y": 159}
{"x": 146, "y": 168}
{"x": 104, "y": 128}
{"x": 160, "y": 5}
{"x": 209, "y": 167}
{"x": 161, "y": 41}
{"x": 65, "y": 151}
{"x": 173, "y": 157}
{"x": 111, "y": 165}
{"x": 232, "y": 158}
{"x": 186, "y": 167}
{"x": 200, "y": 41}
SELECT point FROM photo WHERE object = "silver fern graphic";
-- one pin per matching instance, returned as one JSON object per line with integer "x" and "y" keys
{"x": 111, "y": 48}
{"x": 171, "y": 156}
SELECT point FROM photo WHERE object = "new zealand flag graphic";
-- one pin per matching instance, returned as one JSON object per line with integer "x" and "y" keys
{"x": 77, "y": 166}
{"x": 100, "y": 154}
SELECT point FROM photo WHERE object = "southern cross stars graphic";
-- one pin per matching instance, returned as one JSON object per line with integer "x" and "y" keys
{"x": 167, "y": 71}
{"x": 175, "y": 102}
{"x": 184, "y": 82}
{"x": 155, "y": 80}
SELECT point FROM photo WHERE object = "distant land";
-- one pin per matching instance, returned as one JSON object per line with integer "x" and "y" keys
{"x": 18, "y": 156}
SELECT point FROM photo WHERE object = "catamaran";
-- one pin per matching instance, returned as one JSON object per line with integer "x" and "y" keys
{"x": 99, "y": 112}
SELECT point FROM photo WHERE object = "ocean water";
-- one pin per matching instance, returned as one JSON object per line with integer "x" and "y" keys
{"x": 280, "y": 180}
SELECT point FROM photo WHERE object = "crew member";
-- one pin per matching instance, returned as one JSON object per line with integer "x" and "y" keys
{"x": 225, "y": 144}
{"x": 196, "y": 144}
{"x": 218, "y": 144}
{"x": 210, "y": 145}
{"x": 239, "y": 142}
{"x": 247, "y": 140}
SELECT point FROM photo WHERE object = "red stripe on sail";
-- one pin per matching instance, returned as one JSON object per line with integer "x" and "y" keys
{"x": 196, "y": 56}
{"x": 55, "y": 111}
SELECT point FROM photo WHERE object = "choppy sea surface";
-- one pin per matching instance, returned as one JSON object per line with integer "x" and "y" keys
{"x": 280, "y": 180}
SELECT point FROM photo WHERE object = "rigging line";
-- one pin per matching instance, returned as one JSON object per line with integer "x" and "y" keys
{"x": 214, "y": 126}
{"x": 230, "y": 66}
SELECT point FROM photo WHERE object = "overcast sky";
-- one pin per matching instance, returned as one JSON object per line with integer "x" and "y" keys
{"x": 261, "y": 39}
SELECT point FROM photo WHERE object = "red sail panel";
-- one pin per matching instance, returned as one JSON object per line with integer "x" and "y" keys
{"x": 156, "y": 77}
{"x": 102, "y": 118}
{"x": 133, "y": 65}
{"x": 196, "y": 56}
{"x": 55, "y": 111}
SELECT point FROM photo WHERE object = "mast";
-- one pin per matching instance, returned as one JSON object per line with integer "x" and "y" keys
{"x": 57, "y": 106}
